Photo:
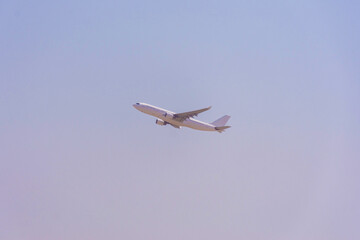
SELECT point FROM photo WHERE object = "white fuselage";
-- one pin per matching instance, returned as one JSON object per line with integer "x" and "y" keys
{"x": 166, "y": 116}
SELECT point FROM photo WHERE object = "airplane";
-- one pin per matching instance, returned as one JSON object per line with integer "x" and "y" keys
{"x": 185, "y": 119}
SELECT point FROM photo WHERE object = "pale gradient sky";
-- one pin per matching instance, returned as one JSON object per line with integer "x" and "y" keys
{"x": 77, "y": 161}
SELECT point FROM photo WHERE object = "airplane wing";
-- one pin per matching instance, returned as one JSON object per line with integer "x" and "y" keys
{"x": 183, "y": 116}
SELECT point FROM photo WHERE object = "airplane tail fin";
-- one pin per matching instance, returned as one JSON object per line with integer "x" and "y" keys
{"x": 221, "y": 121}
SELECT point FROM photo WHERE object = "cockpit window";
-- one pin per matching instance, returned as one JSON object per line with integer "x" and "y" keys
{"x": 137, "y": 103}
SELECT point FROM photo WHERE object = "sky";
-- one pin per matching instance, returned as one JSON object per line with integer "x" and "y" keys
{"x": 77, "y": 161}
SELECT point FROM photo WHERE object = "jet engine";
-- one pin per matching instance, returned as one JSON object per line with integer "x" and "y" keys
{"x": 160, "y": 122}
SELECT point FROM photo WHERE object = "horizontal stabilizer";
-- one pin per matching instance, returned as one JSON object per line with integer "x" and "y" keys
{"x": 221, "y": 129}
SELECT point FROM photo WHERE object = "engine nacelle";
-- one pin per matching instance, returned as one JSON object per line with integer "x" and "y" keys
{"x": 168, "y": 115}
{"x": 160, "y": 122}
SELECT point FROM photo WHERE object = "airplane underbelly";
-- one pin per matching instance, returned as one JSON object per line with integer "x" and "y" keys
{"x": 188, "y": 123}
{"x": 198, "y": 125}
{"x": 174, "y": 122}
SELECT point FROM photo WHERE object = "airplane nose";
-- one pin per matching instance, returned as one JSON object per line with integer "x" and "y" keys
{"x": 136, "y": 105}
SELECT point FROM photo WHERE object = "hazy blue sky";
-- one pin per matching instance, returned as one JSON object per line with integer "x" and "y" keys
{"x": 77, "y": 161}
